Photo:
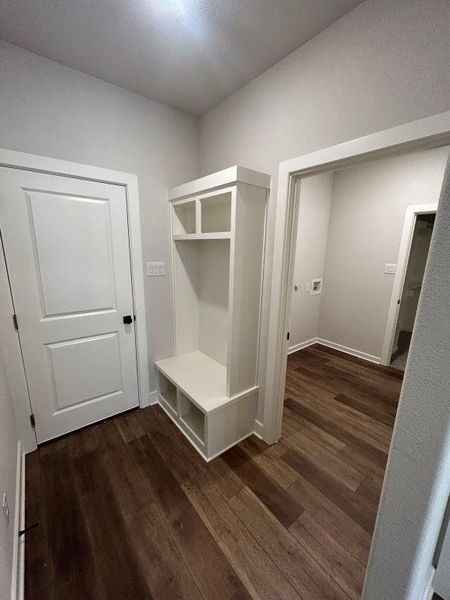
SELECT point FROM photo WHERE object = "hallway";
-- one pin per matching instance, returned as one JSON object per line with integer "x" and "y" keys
{"x": 127, "y": 509}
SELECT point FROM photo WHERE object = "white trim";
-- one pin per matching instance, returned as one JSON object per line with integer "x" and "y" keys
{"x": 153, "y": 398}
{"x": 347, "y": 350}
{"x": 258, "y": 429}
{"x": 302, "y": 345}
{"x": 424, "y": 133}
{"x": 137, "y": 281}
{"x": 226, "y": 177}
{"x": 18, "y": 562}
{"x": 400, "y": 274}
{"x": 14, "y": 368}
{"x": 53, "y": 166}
{"x": 429, "y": 591}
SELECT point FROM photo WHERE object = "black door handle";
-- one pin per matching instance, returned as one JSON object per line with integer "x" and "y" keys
{"x": 128, "y": 319}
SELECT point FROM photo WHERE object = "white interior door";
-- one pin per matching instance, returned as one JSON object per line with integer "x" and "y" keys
{"x": 67, "y": 251}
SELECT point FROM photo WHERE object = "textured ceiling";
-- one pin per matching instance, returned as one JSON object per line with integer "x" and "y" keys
{"x": 189, "y": 54}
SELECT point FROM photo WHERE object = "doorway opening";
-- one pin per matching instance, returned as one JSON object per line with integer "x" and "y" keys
{"x": 340, "y": 396}
{"x": 293, "y": 173}
{"x": 412, "y": 278}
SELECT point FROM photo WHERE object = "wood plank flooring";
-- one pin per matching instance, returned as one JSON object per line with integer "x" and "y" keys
{"x": 127, "y": 510}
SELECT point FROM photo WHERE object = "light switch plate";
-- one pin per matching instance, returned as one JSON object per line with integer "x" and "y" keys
{"x": 156, "y": 269}
{"x": 390, "y": 268}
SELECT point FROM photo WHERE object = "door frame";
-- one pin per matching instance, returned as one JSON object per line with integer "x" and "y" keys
{"x": 10, "y": 346}
{"x": 400, "y": 273}
{"x": 427, "y": 133}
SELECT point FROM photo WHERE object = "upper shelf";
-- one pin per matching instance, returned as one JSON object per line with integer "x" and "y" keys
{"x": 226, "y": 177}
{"x": 215, "y": 235}
{"x": 204, "y": 217}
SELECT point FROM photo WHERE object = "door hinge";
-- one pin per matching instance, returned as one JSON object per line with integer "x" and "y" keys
{"x": 16, "y": 324}
{"x": 288, "y": 335}
{"x": 32, "y": 421}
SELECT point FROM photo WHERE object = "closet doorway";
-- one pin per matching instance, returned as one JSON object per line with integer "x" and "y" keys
{"x": 412, "y": 260}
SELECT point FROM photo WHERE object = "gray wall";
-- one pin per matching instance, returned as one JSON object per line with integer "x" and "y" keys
{"x": 417, "y": 481}
{"x": 315, "y": 195}
{"x": 383, "y": 64}
{"x": 8, "y": 462}
{"x": 367, "y": 216}
{"x": 350, "y": 225}
{"x": 53, "y": 110}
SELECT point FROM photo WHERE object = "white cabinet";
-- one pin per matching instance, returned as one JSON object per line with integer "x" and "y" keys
{"x": 210, "y": 387}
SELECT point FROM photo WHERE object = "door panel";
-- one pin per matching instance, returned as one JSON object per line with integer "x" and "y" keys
{"x": 85, "y": 370}
{"x": 78, "y": 232}
{"x": 67, "y": 250}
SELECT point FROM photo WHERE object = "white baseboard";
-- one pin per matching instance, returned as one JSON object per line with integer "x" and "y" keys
{"x": 18, "y": 563}
{"x": 152, "y": 399}
{"x": 258, "y": 428}
{"x": 335, "y": 346}
{"x": 302, "y": 345}
{"x": 347, "y": 350}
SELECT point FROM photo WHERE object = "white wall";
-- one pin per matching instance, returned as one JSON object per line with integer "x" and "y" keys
{"x": 53, "y": 110}
{"x": 366, "y": 224}
{"x": 312, "y": 235}
{"x": 8, "y": 463}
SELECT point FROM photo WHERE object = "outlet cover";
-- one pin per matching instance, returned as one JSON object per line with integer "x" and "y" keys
{"x": 316, "y": 287}
{"x": 156, "y": 269}
{"x": 5, "y": 507}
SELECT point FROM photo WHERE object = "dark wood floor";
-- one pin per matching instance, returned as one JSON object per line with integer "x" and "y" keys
{"x": 127, "y": 510}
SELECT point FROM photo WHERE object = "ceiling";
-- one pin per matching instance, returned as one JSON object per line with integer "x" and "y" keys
{"x": 189, "y": 54}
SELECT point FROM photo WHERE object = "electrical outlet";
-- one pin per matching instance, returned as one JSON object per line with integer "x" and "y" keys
{"x": 316, "y": 287}
{"x": 156, "y": 269}
{"x": 308, "y": 288}
{"x": 5, "y": 507}
{"x": 389, "y": 269}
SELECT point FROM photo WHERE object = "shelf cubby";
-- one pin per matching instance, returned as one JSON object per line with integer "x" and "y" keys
{"x": 184, "y": 218}
{"x": 218, "y": 225}
{"x": 215, "y": 213}
{"x": 192, "y": 417}
{"x": 167, "y": 392}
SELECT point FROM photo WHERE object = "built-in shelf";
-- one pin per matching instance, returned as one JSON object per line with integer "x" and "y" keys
{"x": 218, "y": 225}
{"x": 218, "y": 235}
